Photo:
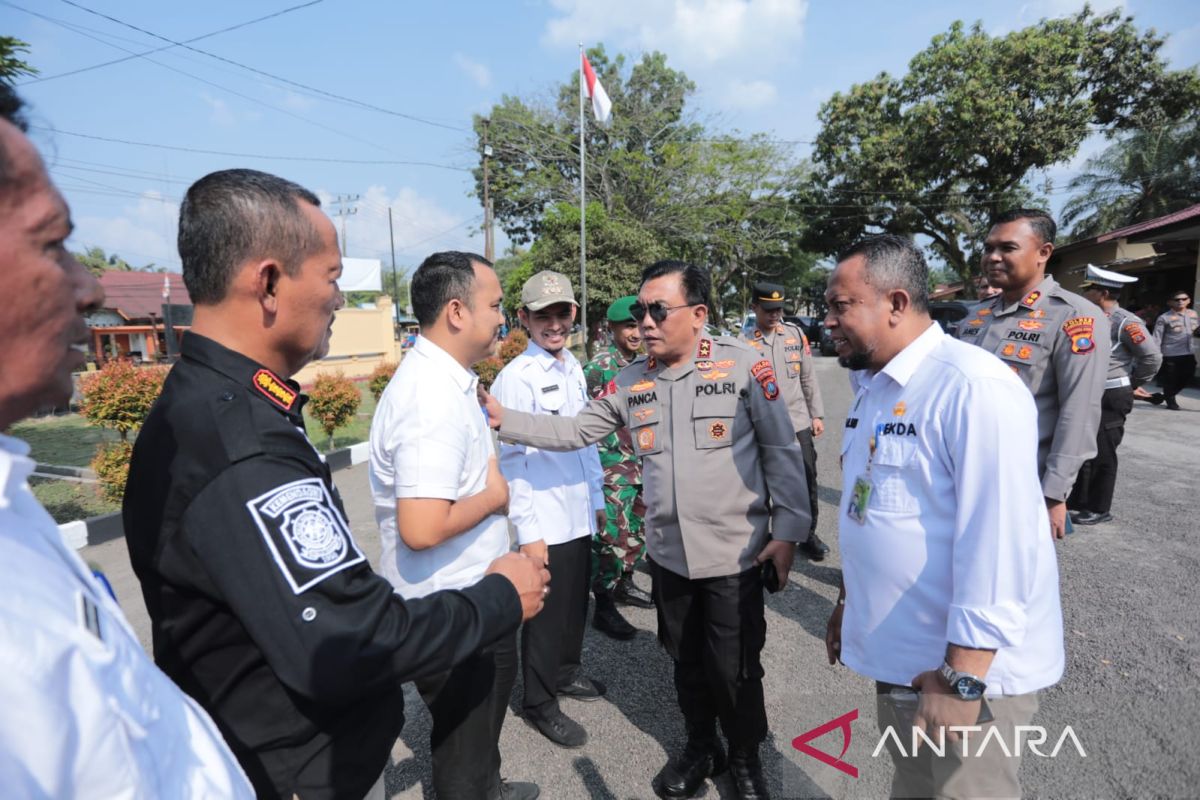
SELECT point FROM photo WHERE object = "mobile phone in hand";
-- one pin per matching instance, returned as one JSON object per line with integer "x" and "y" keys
{"x": 770, "y": 576}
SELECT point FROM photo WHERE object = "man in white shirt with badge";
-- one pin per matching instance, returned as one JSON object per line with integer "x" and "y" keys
{"x": 950, "y": 595}
{"x": 440, "y": 501}
{"x": 556, "y": 504}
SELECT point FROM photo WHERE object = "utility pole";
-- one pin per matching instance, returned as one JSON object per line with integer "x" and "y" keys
{"x": 395, "y": 285}
{"x": 345, "y": 209}
{"x": 489, "y": 242}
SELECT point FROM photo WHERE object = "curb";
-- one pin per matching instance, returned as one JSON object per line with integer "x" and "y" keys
{"x": 106, "y": 527}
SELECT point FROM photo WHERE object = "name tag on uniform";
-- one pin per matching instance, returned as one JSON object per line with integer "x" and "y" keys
{"x": 551, "y": 388}
{"x": 89, "y": 616}
{"x": 860, "y": 496}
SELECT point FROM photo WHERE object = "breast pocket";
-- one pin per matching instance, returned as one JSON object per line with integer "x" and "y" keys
{"x": 895, "y": 475}
{"x": 645, "y": 431}
{"x": 1026, "y": 359}
{"x": 713, "y": 421}
{"x": 551, "y": 398}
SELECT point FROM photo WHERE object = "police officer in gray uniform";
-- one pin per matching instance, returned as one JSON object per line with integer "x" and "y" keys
{"x": 727, "y": 502}
{"x": 1173, "y": 330}
{"x": 1054, "y": 340}
{"x": 1135, "y": 359}
{"x": 791, "y": 355}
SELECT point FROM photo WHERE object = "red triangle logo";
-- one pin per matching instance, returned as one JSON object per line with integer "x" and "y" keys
{"x": 841, "y": 723}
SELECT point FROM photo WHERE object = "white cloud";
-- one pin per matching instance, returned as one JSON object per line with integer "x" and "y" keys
{"x": 1182, "y": 49}
{"x": 749, "y": 94}
{"x": 142, "y": 233}
{"x": 1036, "y": 10}
{"x": 479, "y": 73}
{"x": 220, "y": 114}
{"x": 294, "y": 101}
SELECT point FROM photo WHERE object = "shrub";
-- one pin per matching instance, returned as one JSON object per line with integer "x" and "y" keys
{"x": 111, "y": 465}
{"x": 333, "y": 401}
{"x": 487, "y": 370}
{"x": 120, "y": 395}
{"x": 380, "y": 377}
{"x": 513, "y": 345}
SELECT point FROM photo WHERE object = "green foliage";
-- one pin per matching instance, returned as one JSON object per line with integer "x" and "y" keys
{"x": 940, "y": 150}
{"x": 1143, "y": 175}
{"x": 111, "y": 466}
{"x": 12, "y": 66}
{"x": 120, "y": 396}
{"x": 487, "y": 370}
{"x": 379, "y": 378}
{"x": 98, "y": 262}
{"x": 514, "y": 278}
{"x": 333, "y": 401}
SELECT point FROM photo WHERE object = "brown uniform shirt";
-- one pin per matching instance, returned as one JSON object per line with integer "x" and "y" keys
{"x": 721, "y": 467}
{"x": 788, "y": 349}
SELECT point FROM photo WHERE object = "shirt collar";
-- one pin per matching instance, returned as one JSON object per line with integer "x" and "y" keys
{"x": 283, "y": 394}
{"x": 464, "y": 378}
{"x": 15, "y": 467}
{"x": 905, "y": 363}
{"x": 546, "y": 359}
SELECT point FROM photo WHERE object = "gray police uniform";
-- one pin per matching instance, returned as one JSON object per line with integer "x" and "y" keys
{"x": 791, "y": 355}
{"x": 721, "y": 471}
{"x": 1173, "y": 330}
{"x": 1058, "y": 345}
{"x": 1133, "y": 361}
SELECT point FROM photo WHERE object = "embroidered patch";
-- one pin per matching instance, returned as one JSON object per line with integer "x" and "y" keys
{"x": 793, "y": 355}
{"x": 757, "y": 333}
{"x": 651, "y": 362}
{"x": 790, "y": 340}
{"x": 705, "y": 349}
{"x": 274, "y": 389}
{"x": 1031, "y": 298}
{"x": 724, "y": 363}
{"x": 1135, "y": 332}
{"x": 1080, "y": 330}
{"x": 715, "y": 375}
{"x": 975, "y": 323}
{"x": 765, "y": 375}
{"x": 983, "y": 312}
{"x": 306, "y": 534}
{"x": 642, "y": 386}
{"x": 1030, "y": 325}
{"x": 899, "y": 409}
{"x": 795, "y": 367}
{"x": 704, "y": 365}
{"x": 1025, "y": 352}
{"x": 1038, "y": 314}
{"x": 645, "y": 438}
{"x": 643, "y": 414}
{"x": 1009, "y": 349}
{"x": 718, "y": 431}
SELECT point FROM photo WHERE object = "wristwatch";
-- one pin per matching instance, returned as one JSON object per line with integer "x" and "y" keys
{"x": 965, "y": 685}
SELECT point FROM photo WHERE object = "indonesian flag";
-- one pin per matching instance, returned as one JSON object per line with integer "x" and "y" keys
{"x": 601, "y": 105}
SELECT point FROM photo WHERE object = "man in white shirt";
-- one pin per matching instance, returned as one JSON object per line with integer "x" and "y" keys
{"x": 556, "y": 504}
{"x": 86, "y": 712}
{"x": 440, "y": 501}
{"x": 950, "y": 583}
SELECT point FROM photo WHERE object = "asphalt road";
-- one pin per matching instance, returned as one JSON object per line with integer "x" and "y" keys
{"x": 1131, "y": 694}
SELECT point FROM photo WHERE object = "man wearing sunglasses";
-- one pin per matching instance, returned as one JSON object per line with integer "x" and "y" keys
{"x": 727, "y": 503}
{"x": 1173, "y": 331}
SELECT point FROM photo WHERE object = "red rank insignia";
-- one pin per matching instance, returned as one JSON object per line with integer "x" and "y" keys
{"x": 274, "y": 389}
{"x": 1031, "y": 298}
{"x": 651, "y": 362}
{"x": 1080, "y": 330}
{"x": 705, "y": 349}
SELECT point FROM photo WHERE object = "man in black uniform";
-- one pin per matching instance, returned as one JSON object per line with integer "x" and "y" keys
{"x": 262, "y": 606}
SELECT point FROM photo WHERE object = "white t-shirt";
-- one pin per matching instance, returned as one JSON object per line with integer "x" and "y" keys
{"x": 86, "y": 713}
{"x": 955, "y": 546}
{"x": 430, "y": 439}
{"x": 552, "y": 495}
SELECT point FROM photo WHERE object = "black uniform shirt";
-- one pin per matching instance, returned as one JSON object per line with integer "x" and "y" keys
{"x": 262, "y": 606}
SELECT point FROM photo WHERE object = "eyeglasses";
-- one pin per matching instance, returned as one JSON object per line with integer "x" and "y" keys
{"x": 1179, "y": 299}
{"x": 658, "y": 311}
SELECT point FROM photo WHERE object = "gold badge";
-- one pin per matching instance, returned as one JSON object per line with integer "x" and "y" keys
{"x": 718, "y": 431}
{"x": 645, "y": 439}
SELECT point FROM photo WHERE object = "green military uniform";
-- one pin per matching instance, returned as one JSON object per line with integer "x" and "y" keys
{"x": 620, "y": 546}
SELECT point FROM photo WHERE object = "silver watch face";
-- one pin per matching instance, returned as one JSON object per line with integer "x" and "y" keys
{"x": 969, "y": 688}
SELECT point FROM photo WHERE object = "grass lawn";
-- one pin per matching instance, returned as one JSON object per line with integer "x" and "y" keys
{"x": 68, "y": 501}
{"x": 67, "y": 440}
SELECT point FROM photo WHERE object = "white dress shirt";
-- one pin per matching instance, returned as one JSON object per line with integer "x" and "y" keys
{"x": 552, "y": 496}
{"x": 86, "y": 713}
{"x": 430, "y": 439}
{"x": 955, "y": 546}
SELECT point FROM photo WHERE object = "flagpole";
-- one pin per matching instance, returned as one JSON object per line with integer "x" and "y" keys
{"x": 582, "y": 211}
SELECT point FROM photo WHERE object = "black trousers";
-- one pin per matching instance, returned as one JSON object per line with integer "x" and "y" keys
{"x": 468, "y": 705}
{"x": 1093, "y": 490}
{"x": 1175, "y": 374}
{"x": 805, "y": 438}
{"x": 714, "y": 629}
{"x": 552, "y": 642}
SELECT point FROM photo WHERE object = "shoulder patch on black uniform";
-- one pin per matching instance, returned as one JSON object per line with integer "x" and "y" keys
{"x": 305, "y": 532}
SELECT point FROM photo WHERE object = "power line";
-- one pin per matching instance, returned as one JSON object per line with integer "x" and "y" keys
{"x": 169, "y": 46}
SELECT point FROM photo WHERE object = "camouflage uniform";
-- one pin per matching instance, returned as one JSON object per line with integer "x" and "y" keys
{"x": 621, "y": 545}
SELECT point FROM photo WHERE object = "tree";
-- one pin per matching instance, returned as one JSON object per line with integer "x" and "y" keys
{"x": 12, "y": 66}
{"x": 939, "y": 151}
{"x": 1143, "y": 175}
{"x": 333, "y": 402}
{"x": 98, "y": 262}
{"x": 120, "y": 396}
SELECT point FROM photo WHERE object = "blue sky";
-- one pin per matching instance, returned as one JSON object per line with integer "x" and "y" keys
{"x": 760, "y": 65}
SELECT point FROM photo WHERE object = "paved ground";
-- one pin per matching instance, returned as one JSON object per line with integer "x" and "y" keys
{"x": 1133, "y": 647}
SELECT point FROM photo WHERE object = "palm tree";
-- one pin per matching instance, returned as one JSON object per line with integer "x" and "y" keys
{"x": 1145, "y": 175}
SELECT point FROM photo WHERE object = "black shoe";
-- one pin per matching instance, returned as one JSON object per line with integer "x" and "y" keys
{"x": 685, "y": 774}
{"x": 814, "y": 548}
{"x": 1076, "y": 513}
{"x": 1091, "y": 518}
{"x": 746, "y": 771}
{"x": 583, "y": 688}
{"x": 627, "y": 593}
{"x": 1156, "y": 398}
{"x": 608, "y": 620}
{"x": 518, "y": 790}
{"x": 1171, "y": 404}
{"x": 558, "y": 728}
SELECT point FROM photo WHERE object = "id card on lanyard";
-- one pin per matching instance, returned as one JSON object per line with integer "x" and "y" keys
{"x": 860, "y": 495}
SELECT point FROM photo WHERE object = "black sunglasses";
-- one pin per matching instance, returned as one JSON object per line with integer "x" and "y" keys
{"x": 658, "y": 311}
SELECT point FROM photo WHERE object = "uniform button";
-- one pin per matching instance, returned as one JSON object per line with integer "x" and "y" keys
{"x": 308, "y": 614}
{"x": 227, "y": 396}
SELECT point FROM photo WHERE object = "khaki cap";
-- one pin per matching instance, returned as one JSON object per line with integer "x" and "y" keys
{"x": 545, "y": 289}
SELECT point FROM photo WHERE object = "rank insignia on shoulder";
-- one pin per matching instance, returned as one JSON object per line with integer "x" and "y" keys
{"x": 975, "y": 323}
{"x": 651, "y": 362}
{"x": 274, "y": 389}
{"x": 983, "y": 312}
{"x": 305, "y": 532}
{"x": 1031, "y": 298}
{"x": 758, "y": 333}
{"x": 1080, "y": 330}
{"x": 705, "y": 349}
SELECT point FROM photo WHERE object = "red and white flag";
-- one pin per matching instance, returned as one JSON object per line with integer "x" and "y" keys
{"x": 601, "y": 105}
